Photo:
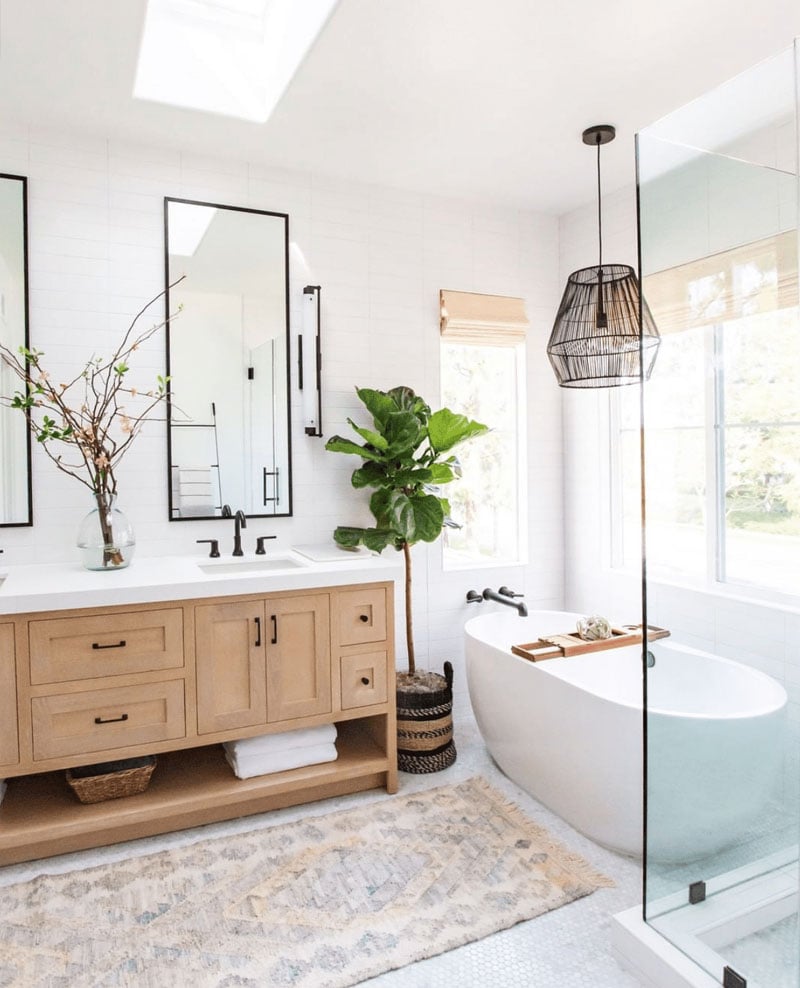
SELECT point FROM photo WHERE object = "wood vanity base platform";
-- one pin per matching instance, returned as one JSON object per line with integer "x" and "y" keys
{"x": 41, "y": 816}
{"x": 176, "y": 679}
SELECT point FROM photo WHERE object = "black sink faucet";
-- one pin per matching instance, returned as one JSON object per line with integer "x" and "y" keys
{"x": 239, "y": 522}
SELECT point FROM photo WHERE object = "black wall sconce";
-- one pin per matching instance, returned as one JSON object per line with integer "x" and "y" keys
{"x": 310, "y": 361}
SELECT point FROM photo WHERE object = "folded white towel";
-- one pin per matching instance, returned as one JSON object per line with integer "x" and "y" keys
{"x": 268, "y": 743}
{"x": 245, "y": 767}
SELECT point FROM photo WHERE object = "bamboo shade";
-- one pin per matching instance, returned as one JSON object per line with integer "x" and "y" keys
{"x": 467, "y": 317}
{"x": 744, "y": 281}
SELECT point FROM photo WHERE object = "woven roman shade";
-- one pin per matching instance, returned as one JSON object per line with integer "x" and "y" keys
{"x": 742, "y": 281}
{"x": 467, "y": 317}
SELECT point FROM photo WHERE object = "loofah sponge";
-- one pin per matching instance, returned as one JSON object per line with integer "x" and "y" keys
{"x": 594, "y": 628}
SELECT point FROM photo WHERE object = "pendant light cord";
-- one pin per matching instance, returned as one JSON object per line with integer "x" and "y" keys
{"x": 599, "y": 209}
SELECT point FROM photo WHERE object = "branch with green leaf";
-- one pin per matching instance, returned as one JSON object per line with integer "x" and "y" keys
{"x": 407, "y": 455}
{"x": 87, "y": 423}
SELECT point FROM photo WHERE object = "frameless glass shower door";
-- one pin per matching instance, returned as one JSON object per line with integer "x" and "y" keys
{"x": 718, "y": 203}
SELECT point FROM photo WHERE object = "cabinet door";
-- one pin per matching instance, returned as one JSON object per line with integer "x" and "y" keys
{"x": 9, "y": 745}
{"x": 298, "y": 657}
{"x": 231, "y": 675}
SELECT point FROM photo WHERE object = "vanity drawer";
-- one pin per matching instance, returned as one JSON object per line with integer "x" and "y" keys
{"x": 363, "y": 679}
{"x": 362, "y": 616}
{"x": 100, "y": 720}
{"x": 67, "y": 649}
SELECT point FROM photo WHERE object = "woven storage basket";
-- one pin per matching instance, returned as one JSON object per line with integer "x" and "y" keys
{"x": 111, "y": 780}
{"x": 425, "y": 728}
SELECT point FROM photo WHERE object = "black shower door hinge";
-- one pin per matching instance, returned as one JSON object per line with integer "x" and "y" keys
{"x": 730, "y": 979}
{"x": 697, "y": 893}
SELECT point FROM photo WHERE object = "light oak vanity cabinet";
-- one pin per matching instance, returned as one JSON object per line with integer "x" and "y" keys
{"x": 9, "y": 746}
{"x": 175, "y": 679}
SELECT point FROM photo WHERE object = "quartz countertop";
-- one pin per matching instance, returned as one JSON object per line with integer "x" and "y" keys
{"x": 60, "y": 586}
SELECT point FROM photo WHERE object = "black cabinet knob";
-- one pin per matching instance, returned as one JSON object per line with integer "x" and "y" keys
{"x": 365, "y": 680}
{"x": 363, "y": 617}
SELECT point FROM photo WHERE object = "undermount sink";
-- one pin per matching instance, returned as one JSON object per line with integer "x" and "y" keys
{"x": 265, "y": 565}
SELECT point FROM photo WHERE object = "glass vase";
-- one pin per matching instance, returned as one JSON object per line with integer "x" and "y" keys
{"x": 105, "y": 537}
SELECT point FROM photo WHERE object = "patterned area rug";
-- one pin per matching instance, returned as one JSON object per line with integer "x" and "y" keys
{"x": 320, "y": 903}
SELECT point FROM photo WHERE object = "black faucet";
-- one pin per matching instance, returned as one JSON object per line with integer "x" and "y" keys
{"x": 239, "y": 522}
{"x": 502, "y": 598}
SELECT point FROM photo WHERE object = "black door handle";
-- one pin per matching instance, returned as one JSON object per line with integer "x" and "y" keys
{"x": 110, "y": 720}
{"x": 258, "y": 631}
{"x": 274, "y": 640}
{"x": 120, "y": 644}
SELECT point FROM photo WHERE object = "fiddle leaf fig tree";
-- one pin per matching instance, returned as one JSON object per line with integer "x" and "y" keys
{"x": 407, "y": 455}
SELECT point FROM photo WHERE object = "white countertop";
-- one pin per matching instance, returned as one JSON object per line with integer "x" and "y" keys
{"x": 55, "y": 586}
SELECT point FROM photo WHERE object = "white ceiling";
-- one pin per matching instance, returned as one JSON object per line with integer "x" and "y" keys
{"x": 481, "y": 99}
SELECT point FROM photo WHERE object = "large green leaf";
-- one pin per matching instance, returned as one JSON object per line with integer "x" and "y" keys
{"x": 347, "y": 536}
{"x": 412, "y": 476}
{"x": 378, "y": 403}
{"x": 379, "y": 506}
{"x": 404, "y": 433}
{"x": 401, "y": 515}
{"x": 407, "y": 401}
{"x": 446, "y": 429}
{"x": 373, "y": 438}
{"x": 337, "y": 444}
{"x": 373, "y": 538}
{"x": 428, "y": 518}
{"x": 378, "y": 539}
{"x": 371, "y": 474}
{"x": 440, "y": 473}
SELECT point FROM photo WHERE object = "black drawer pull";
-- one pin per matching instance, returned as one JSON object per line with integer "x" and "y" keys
{"x": 363, "y": 617}
{"x": 274, "y": 620}
{"x": 114, "y": 645}
{"x": 258, "y": 631}
{"x": 110, "y": 720}
{"x": 365, "y": 680}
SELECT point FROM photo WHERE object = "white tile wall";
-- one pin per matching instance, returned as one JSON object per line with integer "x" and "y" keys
{"x": 381, "y": 255}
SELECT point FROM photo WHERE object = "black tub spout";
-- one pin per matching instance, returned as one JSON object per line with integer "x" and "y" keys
{"x": 500, "y": 598}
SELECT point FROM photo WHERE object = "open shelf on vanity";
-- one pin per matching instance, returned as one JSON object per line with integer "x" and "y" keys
{"x": 40, "y": 816}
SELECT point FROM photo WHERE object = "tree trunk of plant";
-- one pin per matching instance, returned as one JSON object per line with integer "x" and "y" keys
{"x": 412, "y": 667}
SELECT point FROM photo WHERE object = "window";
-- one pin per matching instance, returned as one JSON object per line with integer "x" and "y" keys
{"x": 722, "y": 425}
{"x": 482, "y": 376}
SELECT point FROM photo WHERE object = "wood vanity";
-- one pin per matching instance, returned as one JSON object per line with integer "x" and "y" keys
{"x": 177, "y": 677}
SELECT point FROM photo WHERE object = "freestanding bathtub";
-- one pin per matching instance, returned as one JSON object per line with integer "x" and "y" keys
{"x": 569, "y": 731}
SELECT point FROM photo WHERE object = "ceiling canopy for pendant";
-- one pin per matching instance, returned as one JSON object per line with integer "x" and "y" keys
{"x": 604, "y": 334}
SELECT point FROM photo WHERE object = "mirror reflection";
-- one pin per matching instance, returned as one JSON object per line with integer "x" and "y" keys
{"x": 228, "y": 361}
{"x": 15, "y": 472}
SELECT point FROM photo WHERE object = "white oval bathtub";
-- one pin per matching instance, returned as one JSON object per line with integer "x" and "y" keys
{"x": 569, "y": 731}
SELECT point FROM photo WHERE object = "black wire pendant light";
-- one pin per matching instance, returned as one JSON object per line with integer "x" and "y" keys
{"x": 595, "y": 342}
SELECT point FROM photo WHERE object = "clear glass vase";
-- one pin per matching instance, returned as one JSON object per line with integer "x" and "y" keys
{"x": 105, "y": 536}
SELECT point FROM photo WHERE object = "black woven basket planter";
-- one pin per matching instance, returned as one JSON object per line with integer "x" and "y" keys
{"x": 425, "y": 728}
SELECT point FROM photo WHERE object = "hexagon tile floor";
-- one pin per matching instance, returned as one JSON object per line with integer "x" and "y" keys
{"x": 566, "y": 948}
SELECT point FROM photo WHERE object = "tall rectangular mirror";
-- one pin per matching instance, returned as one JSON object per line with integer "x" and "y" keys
{"x": 228, "y": 360}
{"x": 15, "y": 448}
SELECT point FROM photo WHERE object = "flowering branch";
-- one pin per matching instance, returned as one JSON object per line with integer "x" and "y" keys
{"x": 87, "y": 414}
{"x": 96, "y": 424}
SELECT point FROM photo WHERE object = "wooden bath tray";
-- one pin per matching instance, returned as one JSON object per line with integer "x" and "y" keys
{"x": 560, "y": 646}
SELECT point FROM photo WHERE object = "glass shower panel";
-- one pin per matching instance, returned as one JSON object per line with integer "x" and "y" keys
{"x": 718, "y": 201}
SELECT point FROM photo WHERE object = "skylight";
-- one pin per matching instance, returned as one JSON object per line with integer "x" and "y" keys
{"x": 232, "y": 57}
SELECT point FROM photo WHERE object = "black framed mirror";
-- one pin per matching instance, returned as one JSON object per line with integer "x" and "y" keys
{"x": 16, "y": 498}
{"x": 228, "y": 417}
